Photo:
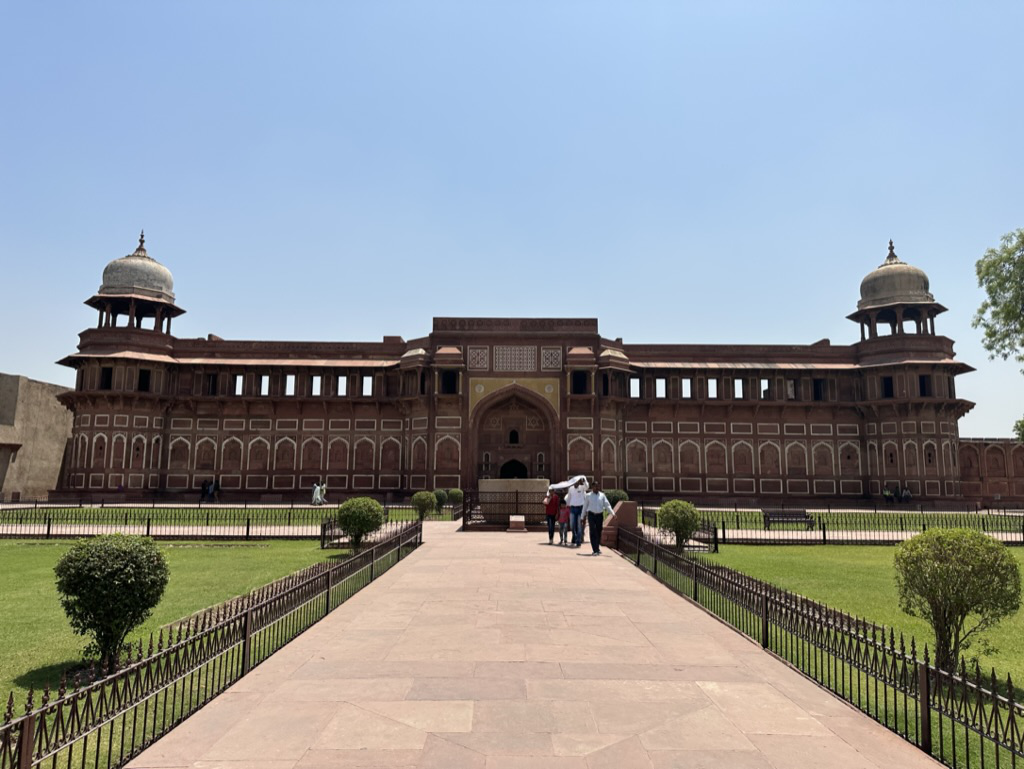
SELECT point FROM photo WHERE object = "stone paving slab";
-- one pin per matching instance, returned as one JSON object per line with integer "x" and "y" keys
{"x": 490, "y": 650}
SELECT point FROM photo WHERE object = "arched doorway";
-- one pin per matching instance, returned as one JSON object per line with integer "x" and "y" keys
{"x": 513, "y": 469}
{"x": 514, "y": 437}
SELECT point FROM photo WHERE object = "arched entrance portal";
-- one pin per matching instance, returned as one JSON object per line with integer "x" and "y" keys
{"x": 514, "y": 438}
{"x": 513, "y": 469}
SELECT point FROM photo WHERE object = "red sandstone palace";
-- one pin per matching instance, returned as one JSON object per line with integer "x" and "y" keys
{"x": 155, "y": 415}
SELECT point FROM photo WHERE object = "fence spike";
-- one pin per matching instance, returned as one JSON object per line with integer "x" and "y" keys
{"x": 63, "y": 688}
{"x": 28, "y": 701}
{"x": 1009, "y": 690}
{"x": 9, "y": 711}
{"x": 160, "y": 641}
{"x": 149, "y": 653}
{"x": 46, "y": 696}
{"x": 78, "y": 680}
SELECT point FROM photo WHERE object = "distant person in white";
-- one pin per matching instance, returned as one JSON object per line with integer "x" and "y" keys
{"x": 316, "y": 492}
{"x": 576, "y": 496}
{"x": 594, "y": 504}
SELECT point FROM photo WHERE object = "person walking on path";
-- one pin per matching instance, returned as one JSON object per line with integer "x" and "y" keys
{"x": 577, "y": 495}
{"x": 595, "y": 504}
{"x": 551, "y": 502}
{"x": 563, "y": 523}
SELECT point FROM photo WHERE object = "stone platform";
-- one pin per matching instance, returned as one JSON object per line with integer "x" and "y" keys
{"x": 489, "y": 651}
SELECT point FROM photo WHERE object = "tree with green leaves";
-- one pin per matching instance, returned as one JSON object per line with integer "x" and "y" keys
{"x": 108, "y": 586}
{"x": 358, "y": 517}
{"x": 961, "y": 582}
{"x": 1001, "y": 315}
{"x": 680, "y": 518}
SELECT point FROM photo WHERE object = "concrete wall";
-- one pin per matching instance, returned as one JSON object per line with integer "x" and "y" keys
{"x": 34, "y": 430}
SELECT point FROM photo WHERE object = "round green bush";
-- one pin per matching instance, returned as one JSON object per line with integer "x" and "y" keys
{"x": 108, "y": 586}
{"x": 358, "y": 517}
{"x": 455, "y": 497}
{"x": 961, "y": 582}
{"x": 442, "y": 498}
{"x": 424, "y": 503}
{"x": 615, "y": 496}
{"x": 679, "y": 518}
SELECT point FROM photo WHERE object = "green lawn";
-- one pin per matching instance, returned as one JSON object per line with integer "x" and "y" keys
{"x": 36, "y": 643}
{"x": 860, "y": 581}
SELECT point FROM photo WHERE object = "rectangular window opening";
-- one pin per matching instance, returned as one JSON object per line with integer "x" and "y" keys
{"x": 342, "y": 386}
{"x": 604, "y": 384}
{"x": 792, "y": 390}
{"x": 211, "y": 384}
{"x": 686, "y": 384}
{"x": 449, "y": 383}
{"x": 145, "y": 376}
{"x": 634, "y": 387}
{"x": 289, "y": 384}
{"x": 367, "y": 386}
{"x": 713, "y": 388}
{"x": 315, "y": 385}
{"x": 766, "y": 389}
{"x": 238, "y": 383}
{"x": 580, "y": 383}
{"x": 659, "y": 387}
{"x": 106, "y": 378}
{"x": 739, "y": 389}
{"x": 887, "y": 388}
{"x": 820, "y": 389}
{"x": 264, "y": 384}
{"x": 925, "y": 384}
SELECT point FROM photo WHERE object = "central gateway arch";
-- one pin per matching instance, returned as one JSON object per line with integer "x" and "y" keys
{"x": 515, "y": 434}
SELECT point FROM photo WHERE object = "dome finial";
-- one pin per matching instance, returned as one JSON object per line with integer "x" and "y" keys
{"x": 142, "y": 239}
{"x": 891, "y": 258}
{"x": 141, "y": 249}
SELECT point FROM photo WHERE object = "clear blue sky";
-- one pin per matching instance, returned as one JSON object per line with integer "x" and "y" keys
{"x": 685, "y": 172}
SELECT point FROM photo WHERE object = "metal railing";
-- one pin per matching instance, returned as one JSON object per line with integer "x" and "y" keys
{"x": 960, "y": 719}
{"x": 493, "y": 509}
{"x": 108, "y": 722}
{"x": 864, "y": 527}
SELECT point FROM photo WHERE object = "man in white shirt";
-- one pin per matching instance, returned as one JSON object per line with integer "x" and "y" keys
{"x": 594, "y": 504}
{"x": 575, "y": 498}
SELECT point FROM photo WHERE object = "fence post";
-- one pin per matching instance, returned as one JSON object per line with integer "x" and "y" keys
{"x": 247, "y": 640}
{"x": 49, "y": 523}
{"x": 764, "y": 620}
{"x": 248, "y": 526}
{"x": 373, "y": 561}
{"x": 330, "y": 584}
{"x": 824, "y": 534}
{"x": 715, "y": 540}
{"x": 149, "y": 524}
{"x": 924, "y": 706}
{"x": 26, "y": 741}
{"x": 654, "y": 552}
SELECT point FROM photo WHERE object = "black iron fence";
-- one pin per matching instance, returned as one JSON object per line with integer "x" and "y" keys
{"x": 109, "y": 721}
{"x": 960, "y": 719}
{"x": 494, "y": 509}
{"x": 793, "y": 525}
{"x": 208, "y": 521}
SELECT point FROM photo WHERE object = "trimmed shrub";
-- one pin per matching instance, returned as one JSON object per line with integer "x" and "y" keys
{"x": 424, "y": 503}
{"x": 961, "y": 582}
{"x": 442, "y": 498}
{"x": 615, "y": 496}
{"x": 108, "y": 586}
{"x": 358, "y": 517}
{"x": 680, "y": 518}
{"x": 455, "y": 497}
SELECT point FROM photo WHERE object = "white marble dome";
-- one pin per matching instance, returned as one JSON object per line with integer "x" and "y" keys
{"x": 894, "y": 282}
{"x": 138, "y": 273}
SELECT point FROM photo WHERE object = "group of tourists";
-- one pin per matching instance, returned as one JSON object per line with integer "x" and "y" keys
{"x": 319, "y": 493}
{"x": 583, "y": 505}
{"x": 899, "y": 495}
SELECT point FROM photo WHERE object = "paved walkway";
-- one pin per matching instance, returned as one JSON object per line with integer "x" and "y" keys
{"x": 497, "y": 651}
